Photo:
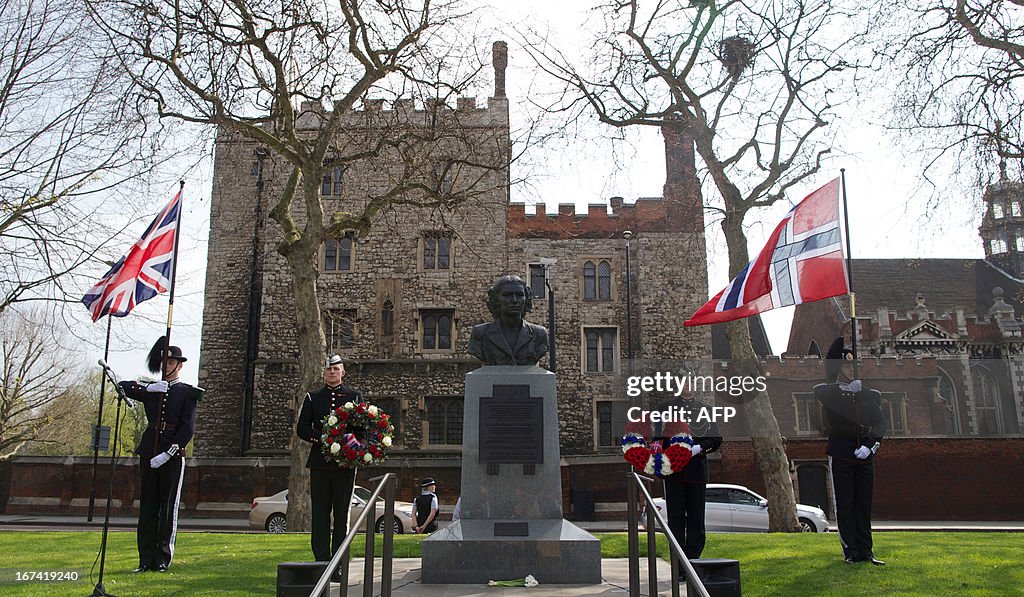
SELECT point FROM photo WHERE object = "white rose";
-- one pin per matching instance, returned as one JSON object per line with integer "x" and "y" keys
{"x": 349, "y": 406}
{"x": 386, "y": 441}
{"x": 332, "y": 420}
{"x": 335, "y": 448}
{"x": 372, "y": 410}
{"x": 368, "y": 457}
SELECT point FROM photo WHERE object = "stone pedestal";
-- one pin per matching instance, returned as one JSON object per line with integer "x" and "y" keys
{"x": 511, "y": 521}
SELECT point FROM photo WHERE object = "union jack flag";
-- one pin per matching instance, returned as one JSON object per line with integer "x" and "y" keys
{"x": 803, "y": 261}
{"x": 143, "y": 272}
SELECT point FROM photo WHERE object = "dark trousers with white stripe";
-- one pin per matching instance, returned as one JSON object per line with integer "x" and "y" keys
{"x": 158, "y": 510}
{"x": 329, "y": 491}
{"x": 852, "y": 486}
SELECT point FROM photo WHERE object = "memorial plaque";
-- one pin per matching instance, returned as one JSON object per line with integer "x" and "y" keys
{"x": 511, "y": 426}
{"x": 511, "y": 529}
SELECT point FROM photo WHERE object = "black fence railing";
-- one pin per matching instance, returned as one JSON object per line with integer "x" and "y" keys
{"x": 635, "y": 489}
{"x": 387, "y": 485}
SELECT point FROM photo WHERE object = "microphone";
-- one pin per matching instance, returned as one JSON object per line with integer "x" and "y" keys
{"x": 110, "y": 375}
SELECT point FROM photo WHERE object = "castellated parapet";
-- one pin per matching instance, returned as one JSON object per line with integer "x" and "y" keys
{"x": 405, "y": 112}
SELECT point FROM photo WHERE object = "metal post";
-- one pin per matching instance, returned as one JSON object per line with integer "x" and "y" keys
{"x": 633, "y": 538}
{"x": 552, "y": 362}
{"x": 99, "y": 422}
{"x": 389, "y": 536}
{"x": 368, "y": 557}
{"x": 652, "y": 557}
{"x": 629, "y": 305}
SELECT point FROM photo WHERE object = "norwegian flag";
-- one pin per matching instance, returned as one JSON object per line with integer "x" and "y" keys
{"x": 803, "y": 261}
{"x": 143, "y": 272}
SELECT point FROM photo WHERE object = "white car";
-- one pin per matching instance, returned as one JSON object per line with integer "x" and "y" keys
{"x": 736, "y": 509}
{"x": 269, "y": 512}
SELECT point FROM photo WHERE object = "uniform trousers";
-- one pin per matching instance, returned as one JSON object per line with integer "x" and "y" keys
{"x": 685, "y": 504}
{"x": 160, "y": 493}
{"x": 330, "y": 490}
{"x": 852, "y": 486}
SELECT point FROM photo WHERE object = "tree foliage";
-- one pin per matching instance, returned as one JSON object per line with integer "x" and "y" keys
{"x": 754, "y": 83}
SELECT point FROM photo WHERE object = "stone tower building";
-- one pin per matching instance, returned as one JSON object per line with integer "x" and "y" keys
{"x": 398, "y": 304}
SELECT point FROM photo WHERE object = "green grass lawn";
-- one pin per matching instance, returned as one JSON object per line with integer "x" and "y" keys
{"x": 223, "y": 564}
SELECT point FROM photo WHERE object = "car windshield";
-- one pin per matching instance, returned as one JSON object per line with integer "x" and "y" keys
{"x": 362, "y": 493}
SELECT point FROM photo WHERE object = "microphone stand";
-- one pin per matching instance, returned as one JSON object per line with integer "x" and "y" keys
{"x": 98, "y": 590}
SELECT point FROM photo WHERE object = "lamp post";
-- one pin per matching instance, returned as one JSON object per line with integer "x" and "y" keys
{"x": 629, "y": 305}
{"x": 548, "y": 262}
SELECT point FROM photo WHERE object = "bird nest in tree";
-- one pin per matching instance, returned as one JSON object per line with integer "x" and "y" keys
{"x": 736, "y": 53}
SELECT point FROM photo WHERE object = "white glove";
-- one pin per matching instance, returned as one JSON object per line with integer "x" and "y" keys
{"x": 159, "y": 460}
{"x": 695, "y": 449}
{"x": 862, "y": 452}
{"x": 157, "y": 386}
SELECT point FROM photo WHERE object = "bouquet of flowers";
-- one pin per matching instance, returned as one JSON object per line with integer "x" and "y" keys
{"x": 356, "y": 434}
{"x": 529, "y": 581}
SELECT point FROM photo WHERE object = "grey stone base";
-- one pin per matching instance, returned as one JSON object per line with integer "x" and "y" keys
{"x": 554, "y": 552}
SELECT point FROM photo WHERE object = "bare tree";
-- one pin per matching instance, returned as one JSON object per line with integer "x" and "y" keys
{"x": 67, "y": 142}
{"x": 66, "y": 425}
{"x": 289, "y": 75}
{"x": 753, "y": 83}
{"x": 34, "y": 373}
{"x": 961, "y": 74}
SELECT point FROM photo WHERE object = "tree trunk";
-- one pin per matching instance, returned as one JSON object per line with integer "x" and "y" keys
{"x": 765, "y": 436}
{"x": 302, "y": 261}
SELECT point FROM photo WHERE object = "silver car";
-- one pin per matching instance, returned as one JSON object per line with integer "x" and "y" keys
{"x": 736, "y": 509}
{"x": 269, "y": 512}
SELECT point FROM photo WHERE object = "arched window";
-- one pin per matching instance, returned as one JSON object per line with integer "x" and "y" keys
{"x": 387, "y": 318}
{"x": 589, "y": 280}
{"x": 604, "y": 281}
{"x": 986, "y": 401}
{"x": 338, "y": 254}
{"x": 947, "y": 391}
{"x": 331, "y": 185}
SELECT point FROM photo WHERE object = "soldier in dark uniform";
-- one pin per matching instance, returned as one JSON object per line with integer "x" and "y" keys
{"x": 684, "y": 491}
{"x": 171, "y": 412}
{"x": 855, "y": 426}
{"x": 330, "y": 486}
{"x": 425, "y": 507}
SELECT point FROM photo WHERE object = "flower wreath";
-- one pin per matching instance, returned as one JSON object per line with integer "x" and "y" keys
{"x": 356, "y": 434}
{"x": 657, "y": 459}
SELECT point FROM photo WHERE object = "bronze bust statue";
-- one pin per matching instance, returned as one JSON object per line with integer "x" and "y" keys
{"x": 509, "y": 339}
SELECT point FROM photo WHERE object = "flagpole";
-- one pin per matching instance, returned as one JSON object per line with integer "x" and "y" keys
{"x": 174, "y": 273}
{"x": 99, "y": 422}
{"x": 849, "y": 274}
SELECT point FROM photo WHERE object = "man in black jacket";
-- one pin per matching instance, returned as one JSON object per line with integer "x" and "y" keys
{"x": 330, "y": 486}
{"x": 855, "y": 426}
{"x": 684, "y": 491}
{"x": 171, "y": 412}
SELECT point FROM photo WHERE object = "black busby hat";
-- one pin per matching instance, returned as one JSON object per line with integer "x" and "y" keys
{"x": 837, "y": 353}
{"x": 428, "y": 482}
{"x": 156, "y": 354}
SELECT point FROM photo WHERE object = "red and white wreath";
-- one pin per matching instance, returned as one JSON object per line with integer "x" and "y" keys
{"x": 657, "y": 458}
{"x": 356, "y": 434}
